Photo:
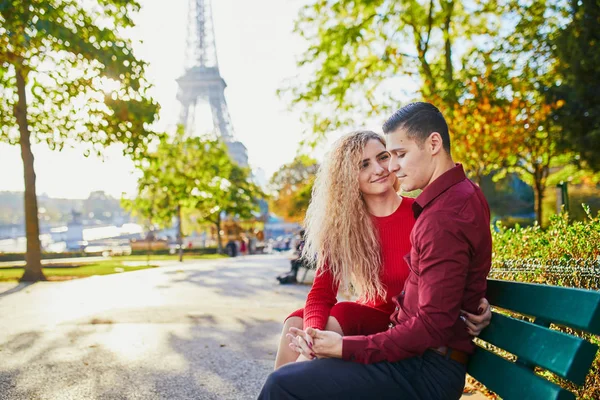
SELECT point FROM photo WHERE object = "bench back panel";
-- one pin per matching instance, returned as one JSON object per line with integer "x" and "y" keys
{"x": 576, "y": 308}
{"x": 533, "y": 343}
{"x": 566, "y": 355}
{"x": 512, "y": 381}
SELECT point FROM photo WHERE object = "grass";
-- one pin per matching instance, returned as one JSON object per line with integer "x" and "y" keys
{"x": 113, "y": 265}
{"x": 74, "y": 271}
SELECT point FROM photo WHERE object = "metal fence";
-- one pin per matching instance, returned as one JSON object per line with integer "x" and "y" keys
{"x": 581, "y": 273}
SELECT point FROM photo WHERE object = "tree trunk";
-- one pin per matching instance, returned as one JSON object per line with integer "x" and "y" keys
{"x": 179, "y": 235}
{"x": 539, "y": 197}
{"x": 219, "y": 240}
{"x": 449, "y": 70}
{"x": 33, "y": 257}
{"x": 538, "y": 182}
{"x": 149, "y": 249}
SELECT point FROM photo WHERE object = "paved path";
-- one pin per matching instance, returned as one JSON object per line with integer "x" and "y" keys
{"x": 204, "y": 329}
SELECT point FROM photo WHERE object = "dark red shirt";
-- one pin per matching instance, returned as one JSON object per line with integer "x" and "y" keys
{"x": 449, "y": 263}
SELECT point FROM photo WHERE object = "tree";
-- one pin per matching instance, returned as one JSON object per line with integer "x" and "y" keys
{"x": 193, "y": 177}
{"x": 180, "y": 174}
{"x": 578, "y": 66}
{"x": 481, "y": 123}
{"x": 67, "y": 76}
{"x": 292, "y": 187}
{"x": 358, "y": 50}
{"x": 232, "y": 194}
{"x": 538, "y": 152}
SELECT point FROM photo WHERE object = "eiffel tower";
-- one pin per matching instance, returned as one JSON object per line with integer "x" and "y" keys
{"x": 202, "y": 81}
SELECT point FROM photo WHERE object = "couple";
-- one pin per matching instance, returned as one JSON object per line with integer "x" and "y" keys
{"x": 418, "y": 266}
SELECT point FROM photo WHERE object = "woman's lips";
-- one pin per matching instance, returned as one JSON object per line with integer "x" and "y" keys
{"x": 382, "y": 179}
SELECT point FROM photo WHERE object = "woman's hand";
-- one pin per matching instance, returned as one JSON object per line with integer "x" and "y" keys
{"x": 316, "y": 343}
{"x": 476, "y": 323}
{"x": 301, "y": 343}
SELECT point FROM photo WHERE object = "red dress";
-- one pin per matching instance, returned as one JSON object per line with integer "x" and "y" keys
{"x": 365, "y": 317}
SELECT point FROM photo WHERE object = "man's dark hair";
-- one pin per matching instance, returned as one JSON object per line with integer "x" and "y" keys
{"x": 419, "y": 120}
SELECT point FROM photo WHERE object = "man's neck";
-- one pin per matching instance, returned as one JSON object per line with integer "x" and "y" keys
{"x": 383, "y": 204}
{"x": 444, "y": 166}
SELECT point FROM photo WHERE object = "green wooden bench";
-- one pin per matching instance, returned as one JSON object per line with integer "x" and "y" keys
{"x": 534, "y": 344}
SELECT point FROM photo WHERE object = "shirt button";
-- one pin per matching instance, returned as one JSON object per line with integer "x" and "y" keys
{"x": 397, "y": 309}
{"x": 402, "y": 293}
{"x": 390, "y": 325}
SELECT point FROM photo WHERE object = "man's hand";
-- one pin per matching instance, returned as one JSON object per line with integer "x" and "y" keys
{"x": 322, "y": 344}
{"x": 476, "y": 323}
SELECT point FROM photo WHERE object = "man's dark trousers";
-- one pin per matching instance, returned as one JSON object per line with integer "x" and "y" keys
{"x": 431, "y": 376}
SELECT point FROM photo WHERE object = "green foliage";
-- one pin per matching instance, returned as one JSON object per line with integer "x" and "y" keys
{"x": 84, "y": 83}
{"x": 68, "y": 76}
{"x": 561, "y": 241}
{"x": 358, "y": 50}
{"x": 178, "y": 174}
{"x": 564, "y": 254}
{"x": 192, "y": 177}
{"x": 576, "y": 48}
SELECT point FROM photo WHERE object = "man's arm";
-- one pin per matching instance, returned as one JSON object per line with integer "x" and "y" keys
{"x": 444, "y": 256}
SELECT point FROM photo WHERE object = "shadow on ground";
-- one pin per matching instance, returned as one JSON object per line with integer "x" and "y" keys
{"x": 16, "y": 289}
{"x": 203, "y": 358}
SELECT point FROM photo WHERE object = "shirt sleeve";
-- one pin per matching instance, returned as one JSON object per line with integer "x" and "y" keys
{"x": 444, "y": 256}
{"x": 321, "y": 298}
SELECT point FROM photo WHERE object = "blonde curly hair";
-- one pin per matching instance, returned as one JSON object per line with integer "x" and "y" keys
{"x": 340, "y": 233}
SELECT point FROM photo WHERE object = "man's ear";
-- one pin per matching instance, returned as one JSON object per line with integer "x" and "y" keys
{"x": 435, "y": 143}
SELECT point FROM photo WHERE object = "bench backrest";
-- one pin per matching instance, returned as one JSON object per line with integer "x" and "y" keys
{"x": 534, "y": 344}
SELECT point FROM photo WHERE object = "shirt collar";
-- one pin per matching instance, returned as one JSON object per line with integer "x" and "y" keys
{"x": 437, "y": 187}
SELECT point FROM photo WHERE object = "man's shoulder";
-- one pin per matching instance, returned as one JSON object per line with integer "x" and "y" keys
{"x": 458, "y": 197}
{"x": 462, "y": 203}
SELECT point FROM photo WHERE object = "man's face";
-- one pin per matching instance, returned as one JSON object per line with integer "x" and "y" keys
{"x": 411, "y": 162}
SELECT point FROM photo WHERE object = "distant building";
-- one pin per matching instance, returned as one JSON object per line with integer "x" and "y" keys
{"x": 276, "y": 226}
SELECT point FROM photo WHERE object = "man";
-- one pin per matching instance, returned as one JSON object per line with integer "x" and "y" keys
{"x": 424, "y": 353}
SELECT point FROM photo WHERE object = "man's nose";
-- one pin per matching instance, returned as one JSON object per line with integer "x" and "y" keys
{"x": 393, "y": 165}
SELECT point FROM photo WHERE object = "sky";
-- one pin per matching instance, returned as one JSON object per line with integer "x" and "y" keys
{"x": 257, "y": 53}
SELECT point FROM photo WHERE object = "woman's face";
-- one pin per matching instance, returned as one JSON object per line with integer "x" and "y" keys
{"x": 374, "y": 177}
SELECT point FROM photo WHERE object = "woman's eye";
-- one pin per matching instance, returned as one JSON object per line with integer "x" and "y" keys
{"x": 364, "y": 165}
{"x": 384, "y": 157}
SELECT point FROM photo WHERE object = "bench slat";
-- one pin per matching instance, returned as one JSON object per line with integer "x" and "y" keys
{"x": 512, "y": 381}
{"x": 576, "y": 308}
{"x": 563, "y": 354}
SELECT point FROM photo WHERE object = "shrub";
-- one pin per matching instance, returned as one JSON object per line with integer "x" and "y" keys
{"x": 566, "y": 253}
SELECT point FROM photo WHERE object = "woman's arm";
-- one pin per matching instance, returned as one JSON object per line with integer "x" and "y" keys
{"x": 321, "y": 298}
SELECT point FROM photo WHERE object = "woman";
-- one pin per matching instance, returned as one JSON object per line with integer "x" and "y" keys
{"x": 357, "y": 233}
